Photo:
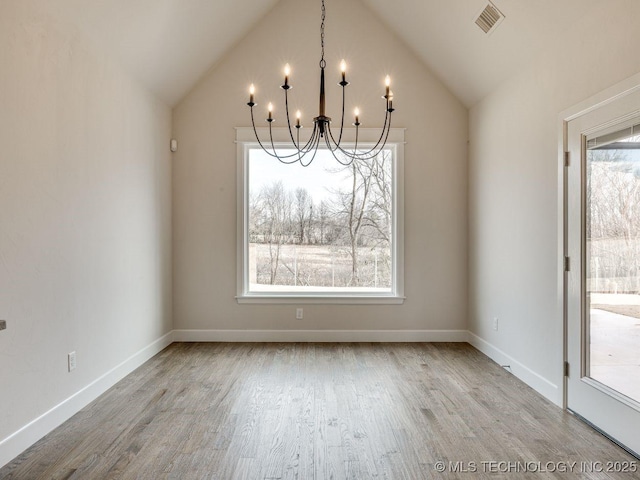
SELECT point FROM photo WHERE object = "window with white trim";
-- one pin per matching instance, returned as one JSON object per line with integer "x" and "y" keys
{"x": 326, "y": 232}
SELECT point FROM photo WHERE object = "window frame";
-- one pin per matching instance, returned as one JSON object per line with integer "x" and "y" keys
{"x": 246, "y": 141}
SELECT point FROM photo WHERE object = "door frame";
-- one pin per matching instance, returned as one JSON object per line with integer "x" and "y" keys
{"x": 601, "y": 99}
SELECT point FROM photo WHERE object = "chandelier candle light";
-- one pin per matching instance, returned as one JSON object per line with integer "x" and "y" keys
{"x": 322, "y": 123}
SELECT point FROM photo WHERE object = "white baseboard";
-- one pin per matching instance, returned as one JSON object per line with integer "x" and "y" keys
{"x": 524, "y": 373}
{"x": 320, "y": 335}
{"x": 19, "y": 441}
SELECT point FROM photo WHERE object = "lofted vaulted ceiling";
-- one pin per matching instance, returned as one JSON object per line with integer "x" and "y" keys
{"x": 168, "y": 45}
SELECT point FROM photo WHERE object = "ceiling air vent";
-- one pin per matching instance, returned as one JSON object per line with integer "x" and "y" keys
{"x": 489, "y": 18}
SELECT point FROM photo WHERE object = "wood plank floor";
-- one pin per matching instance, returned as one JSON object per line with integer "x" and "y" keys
{"x": 318, "y": 411}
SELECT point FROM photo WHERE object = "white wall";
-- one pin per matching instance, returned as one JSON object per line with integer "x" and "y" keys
{"x": 204, "y": 182}
{"x": 85, "y": 233}
{"x": 513, "y": 195}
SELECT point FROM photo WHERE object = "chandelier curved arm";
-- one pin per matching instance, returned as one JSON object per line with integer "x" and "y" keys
{"x": 298, "y": 154}
{"x": 283, "y": 158}
{"x": 310, "y": 144}
{"x": 349, "y": 157}
{"x": 255, "y": 131}
{"x": 286, "y": 107}
{"x": 365, "y": 155}
{"x": 312, "y": 147}
{"x": 315, "y": 152}
{"x": 343, "y": 83}
{"x": 386, "y": 127}
{"x": 298, "y": 138}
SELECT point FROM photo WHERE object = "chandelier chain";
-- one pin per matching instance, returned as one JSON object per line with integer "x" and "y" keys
{"x": 323, "y": 62}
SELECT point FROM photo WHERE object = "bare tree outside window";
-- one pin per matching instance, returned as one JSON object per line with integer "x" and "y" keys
{"x": 613, "y": 226}
{"x": 330, "y": 228}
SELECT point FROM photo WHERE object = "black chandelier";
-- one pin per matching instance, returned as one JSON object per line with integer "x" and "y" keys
{"x": 322, "y": 123}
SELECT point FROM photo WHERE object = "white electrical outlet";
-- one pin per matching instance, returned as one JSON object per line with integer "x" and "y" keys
{"x": 495, "y": 324}
{"x": 299, "y": 314}
{"x": 71, "y": 359}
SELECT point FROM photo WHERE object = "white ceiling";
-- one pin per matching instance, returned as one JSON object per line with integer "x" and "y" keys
{"x": 471, "y": 63}
{"x": 169, "y": 44}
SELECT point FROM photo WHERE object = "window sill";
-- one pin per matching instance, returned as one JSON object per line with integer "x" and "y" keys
{"x": 321, "y": 299}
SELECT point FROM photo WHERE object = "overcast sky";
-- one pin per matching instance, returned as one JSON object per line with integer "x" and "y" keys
{"x": 317, "y": 178}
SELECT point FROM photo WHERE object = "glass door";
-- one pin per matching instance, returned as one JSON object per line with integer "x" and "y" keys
{"x": 603, "y": 278}
{"x": 613, "y": 260}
